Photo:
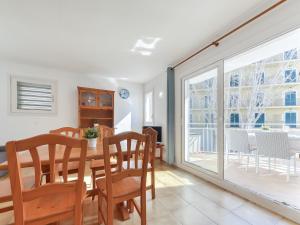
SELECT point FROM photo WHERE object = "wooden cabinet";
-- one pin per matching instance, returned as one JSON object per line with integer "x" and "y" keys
{"x": 95, "y": 106}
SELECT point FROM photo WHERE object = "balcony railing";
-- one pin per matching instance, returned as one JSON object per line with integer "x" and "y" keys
{"x": 202, "y": 138}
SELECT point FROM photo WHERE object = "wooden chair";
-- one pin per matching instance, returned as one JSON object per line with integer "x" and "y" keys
{"x": 153, "y": 135}
{"x": 123, "y": 184}
{"x": 97, "y": 166}
{"x": 50, "y": 202}
{"x": 5, "y": 191}
{"x": 69, "y": 132}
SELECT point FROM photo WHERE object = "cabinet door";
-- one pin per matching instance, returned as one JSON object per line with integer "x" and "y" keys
{"x": 88, "y": 99}
{"x": 105, "y": 100}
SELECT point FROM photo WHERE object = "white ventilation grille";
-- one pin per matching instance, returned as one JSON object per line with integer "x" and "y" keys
{"x": 32, "y": 96}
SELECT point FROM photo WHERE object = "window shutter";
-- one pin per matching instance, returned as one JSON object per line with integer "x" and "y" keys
{"x": 33, "y": 96}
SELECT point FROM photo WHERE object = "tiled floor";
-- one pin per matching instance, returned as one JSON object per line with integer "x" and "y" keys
{"x": 271, "y": 183}
{"x": 187, "y": 200}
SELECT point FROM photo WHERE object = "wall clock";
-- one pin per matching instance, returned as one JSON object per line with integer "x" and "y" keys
{"x": 124, "y": 93}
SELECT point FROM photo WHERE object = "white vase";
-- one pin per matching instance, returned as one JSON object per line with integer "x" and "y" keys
{"x": 92, "y": 142}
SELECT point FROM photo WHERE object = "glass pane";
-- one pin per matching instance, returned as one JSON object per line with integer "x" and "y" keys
{"x": 262, "y": 131}
{"x": 201, "y": 120}
{"x": 105, "y": 100}
{"x": 88, "y": 99}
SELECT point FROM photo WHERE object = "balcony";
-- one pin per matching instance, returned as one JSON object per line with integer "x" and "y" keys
{"x": 270, "y": 180}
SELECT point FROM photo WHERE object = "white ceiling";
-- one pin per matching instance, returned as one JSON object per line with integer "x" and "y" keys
{"x": 101, "y": 37}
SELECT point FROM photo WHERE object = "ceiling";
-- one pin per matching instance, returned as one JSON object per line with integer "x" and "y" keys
{"x": 132, "y": 40}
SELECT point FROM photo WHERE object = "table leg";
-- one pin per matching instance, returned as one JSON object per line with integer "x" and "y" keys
{"x": 161, "y": 153}
{"x": 123, "y": 211}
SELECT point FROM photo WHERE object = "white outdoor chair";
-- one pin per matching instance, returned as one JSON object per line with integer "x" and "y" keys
{"x": 274, "y": 145}
{"x": 237, "y": 141}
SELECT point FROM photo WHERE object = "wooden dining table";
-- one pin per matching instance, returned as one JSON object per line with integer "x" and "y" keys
{"x": 25, "y": 161}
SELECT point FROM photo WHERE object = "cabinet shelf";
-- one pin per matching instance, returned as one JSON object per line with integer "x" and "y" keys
{"x": 95, "y": 105}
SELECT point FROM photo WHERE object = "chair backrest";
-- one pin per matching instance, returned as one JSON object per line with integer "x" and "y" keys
{"x": 237, "y": 140}
{"x": 106, "y": 131}
{"x": 153, "y": 140}
{"x": 51, "y": 144}
{"x": 273, "y": 144}
{"x": 67, "y": 131}
{"x": 113, "y": 145}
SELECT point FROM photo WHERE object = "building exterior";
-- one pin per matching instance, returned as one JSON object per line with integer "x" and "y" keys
{"x": 264, "y": 93}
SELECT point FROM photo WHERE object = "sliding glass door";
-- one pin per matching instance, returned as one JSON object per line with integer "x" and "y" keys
{"x": 241, "y": 123}
{"x": 200, "y": 99}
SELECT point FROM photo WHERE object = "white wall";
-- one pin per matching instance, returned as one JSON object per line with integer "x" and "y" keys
{"x": 128, "y": 113}
{"x": 159, "y": 87}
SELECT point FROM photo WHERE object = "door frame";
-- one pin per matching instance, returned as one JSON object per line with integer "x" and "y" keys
{"x": 219, "y": 65}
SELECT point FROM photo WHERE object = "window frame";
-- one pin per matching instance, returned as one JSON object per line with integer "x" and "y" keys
{"x": 289, "y": 92}
{"x": 145, "y": 107}
{"x": 234, "y": 124}
{"x": 235, "y": 82}
{"x": 259, "y": 125}
{"x": 284, "y": 118}
{"x": 284, "y": 75}
{"x": 290, "y": 58}
{"x": 14, "y": 94}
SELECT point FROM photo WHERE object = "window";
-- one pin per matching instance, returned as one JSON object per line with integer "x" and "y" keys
{"x": 234, "y": 99}
{"x": 207, "y": 100}
{"x": 260, "y": 78}
{"x": 290, "y": 98}
{"x": 32, "y": 95}
{"x": 290, "y": 119}
{"x": 209, "y": 83}
{"x": 290, "y": 76}
{"x": 235, "y": 80}
{"x": 149, "y": 107}
{"x": 259, "y": 119}
{"x": 259, "y": 99}
{"x": 209, "y": 118}
{"x": 234, "y": 120}
{"x": 291, "y": 54}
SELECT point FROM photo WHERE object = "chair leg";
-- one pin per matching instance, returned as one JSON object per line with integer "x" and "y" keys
{"x": 110, "y": 213}
{"x": 100, "y": 219}
{"x": 257, "y": 163}
{"x": 227, "y": 156}
{"x": 295, "y": 164}
{"x": 78, "y": 218}
{"x": 94, "y": 183}
{"x": 288, "y": 170}
{"x": 143, "y": 209}
{"x": 130, "y": 206}
{"x": 248, "y": 159}
{"x": 153, "y": 183}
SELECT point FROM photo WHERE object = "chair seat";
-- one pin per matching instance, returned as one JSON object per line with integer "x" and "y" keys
{"x": 121, "y": 188}
{"x": 5, "y": 190}
{"x": 132, "y": 164}
{"x": 50, "y": 205}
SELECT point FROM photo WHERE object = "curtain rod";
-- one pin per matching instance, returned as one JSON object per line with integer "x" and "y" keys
{"x": 217, "y": 41}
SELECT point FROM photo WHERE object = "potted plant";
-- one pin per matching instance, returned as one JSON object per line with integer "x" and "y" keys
{"x": 91, "y": 134}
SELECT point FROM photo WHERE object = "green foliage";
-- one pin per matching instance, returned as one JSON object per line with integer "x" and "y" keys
{"x": 91, "y": 133}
